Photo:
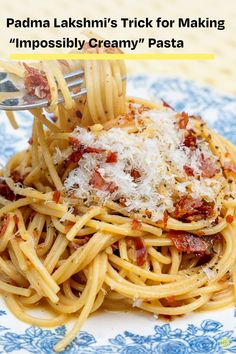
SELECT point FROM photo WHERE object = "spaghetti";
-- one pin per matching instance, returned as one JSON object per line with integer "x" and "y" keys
{"x": 117, "y": 202}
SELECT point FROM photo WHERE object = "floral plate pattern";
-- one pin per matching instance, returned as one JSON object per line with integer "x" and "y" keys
{"x": 133, "y": 333}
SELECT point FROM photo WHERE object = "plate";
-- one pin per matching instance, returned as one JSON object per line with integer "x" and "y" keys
{"x": 134, "y": 332}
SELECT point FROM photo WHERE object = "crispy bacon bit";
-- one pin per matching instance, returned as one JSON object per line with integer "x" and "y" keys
{"x": 111, "y": 157}
{"x": 98, "y": 182}
{"x": 16, "y": 176}
{"x": 141, "y": 252}
{"x": 190, "y": 139}
{"x": 188, "y": 209}
{"x": 6, "y": 192}
{"x": 92, "y": 150}
{"x": 135, "y": 174}
{"x": 229, "y": 219}
{"x": 75, "y": 143}
{"x": 36, "y": 82}
{"x": 183, "y": 120}
{"x": 4, "y": 225}
{"x": 165, "y": 218}
{"x": 165, "y": 104}
{"x": 186, "y": 242}
{"x": 230, "y": 166}
{"x": 136, "y": 224}
{"x": 16, "y": 219}
{"x": 170, "y": 299}
{"x": 208, "y": 168}
{"x": 188, "y": 170}
{"x": 56, "y": 196}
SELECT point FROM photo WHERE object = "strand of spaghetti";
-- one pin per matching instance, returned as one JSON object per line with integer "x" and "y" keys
{"x": 11, "y": 272}
{"x": 7, "y": 288}
{"x": 19, "y": 255}
{"x": 17, "y": 310}
{"x": 15, "y": 205}
{"x": 41, "y": 117}
{"x": 5, "y": 236}
{"x": 174, "y": 311}
{"x": 116, "y": 282}
{"x": 47, "y": 157}
{"x": 52, "y": 86}
{"x": 45, "y": 289}
{"x": 159, "y": 256}
{"x": 28, "y": 191}
{"x": 213, "y": 288}
{"x": 30, "y": 253}
{"x": 62, "y": 85}
{"x": 175, "y": 260}
{"x": 82, "y": 221}
{"x": 55, "y": 253}
{"x": 123, "y": 264}
{"x": 86, "y": 253}
{"x": 216, "y": 305}
{"x": 12, "y": 119}
{"x": 156, "y": 242}
{"x": 92, "y": 283}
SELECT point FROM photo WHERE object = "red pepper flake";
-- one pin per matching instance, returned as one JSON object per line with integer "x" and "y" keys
{"x": 141, "y": 251}
{"x": 16, "y": 219}
{"x": 79, "y": 150}
{"x": 56, "y": 196}
{"x": 190, "y": 139}
{"x": 135, "y": 174}
{"x": 188, "y": 170}
{"x": 30, "y": 141}
{"x": 190, "y": 209}
{"x": 229, "y": 219}
{"x": 183, "y": 120}
{"x": 230, "y": 167}
{"x": 208, "y": 168}
{"x": 136, "y": 224}
{"x": 165, "y": 104}
{"x": 122, "y": 201}
{"x": 111, "y": 157}
{"x": 165, "y": 218}
{"x": 148, "y": 213}
{"x": 36, "y": 82}
{"x": 92, "y": 150}
{"x": 4, "y": 225}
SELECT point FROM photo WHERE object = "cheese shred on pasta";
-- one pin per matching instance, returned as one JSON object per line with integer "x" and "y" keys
{"x": 116, "y": 203}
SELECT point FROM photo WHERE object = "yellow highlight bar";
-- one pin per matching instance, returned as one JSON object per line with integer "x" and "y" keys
{"x": 105, "y": 56}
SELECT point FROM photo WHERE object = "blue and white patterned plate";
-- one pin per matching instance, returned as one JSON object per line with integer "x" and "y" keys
{"x": 134, "y": 333}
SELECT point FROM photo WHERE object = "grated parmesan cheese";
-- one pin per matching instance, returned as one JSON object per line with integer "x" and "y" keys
{"x": 156, "y": 152}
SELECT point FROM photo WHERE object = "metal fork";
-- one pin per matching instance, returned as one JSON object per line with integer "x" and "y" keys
{"x": 10, "y": 83}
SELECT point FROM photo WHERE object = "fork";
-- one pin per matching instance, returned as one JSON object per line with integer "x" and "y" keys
{"x": 10, "y": 83}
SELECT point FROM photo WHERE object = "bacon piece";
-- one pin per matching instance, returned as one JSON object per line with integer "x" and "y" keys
{"x": 16, "y": 176}
{"x": 112, "y": 157}
{"x": 188, "y": 170}
{"x": 92, "y": 150}
{"x": 141, "y": 251}
{"x": 183, "y": 120}
{"x": 135, "y": 174}
{"x": 98, "y": 182}
{"x": 79, "y": 150}
{"x": 208, "y": 168}
{"x": 6, "y": 192}
{"x": 230, "y": 166}
{"x": 56, "y": 196}
{"x": 4, "y": 225}
{"x": 136, "y": 224}
{"x": 165, "y": 104}
{"x": 229, "y": 219}
{"x": 189, "y": 209}
{"x": 190, "y": 139}
{"x": 36, "y": 83}
{"x": 186, "y": 242}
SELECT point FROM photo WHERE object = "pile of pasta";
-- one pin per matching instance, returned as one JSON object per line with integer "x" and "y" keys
{"x": 57, "y": 250}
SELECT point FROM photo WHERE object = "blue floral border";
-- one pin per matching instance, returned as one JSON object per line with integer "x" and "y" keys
{"x": 209, "y": 337}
